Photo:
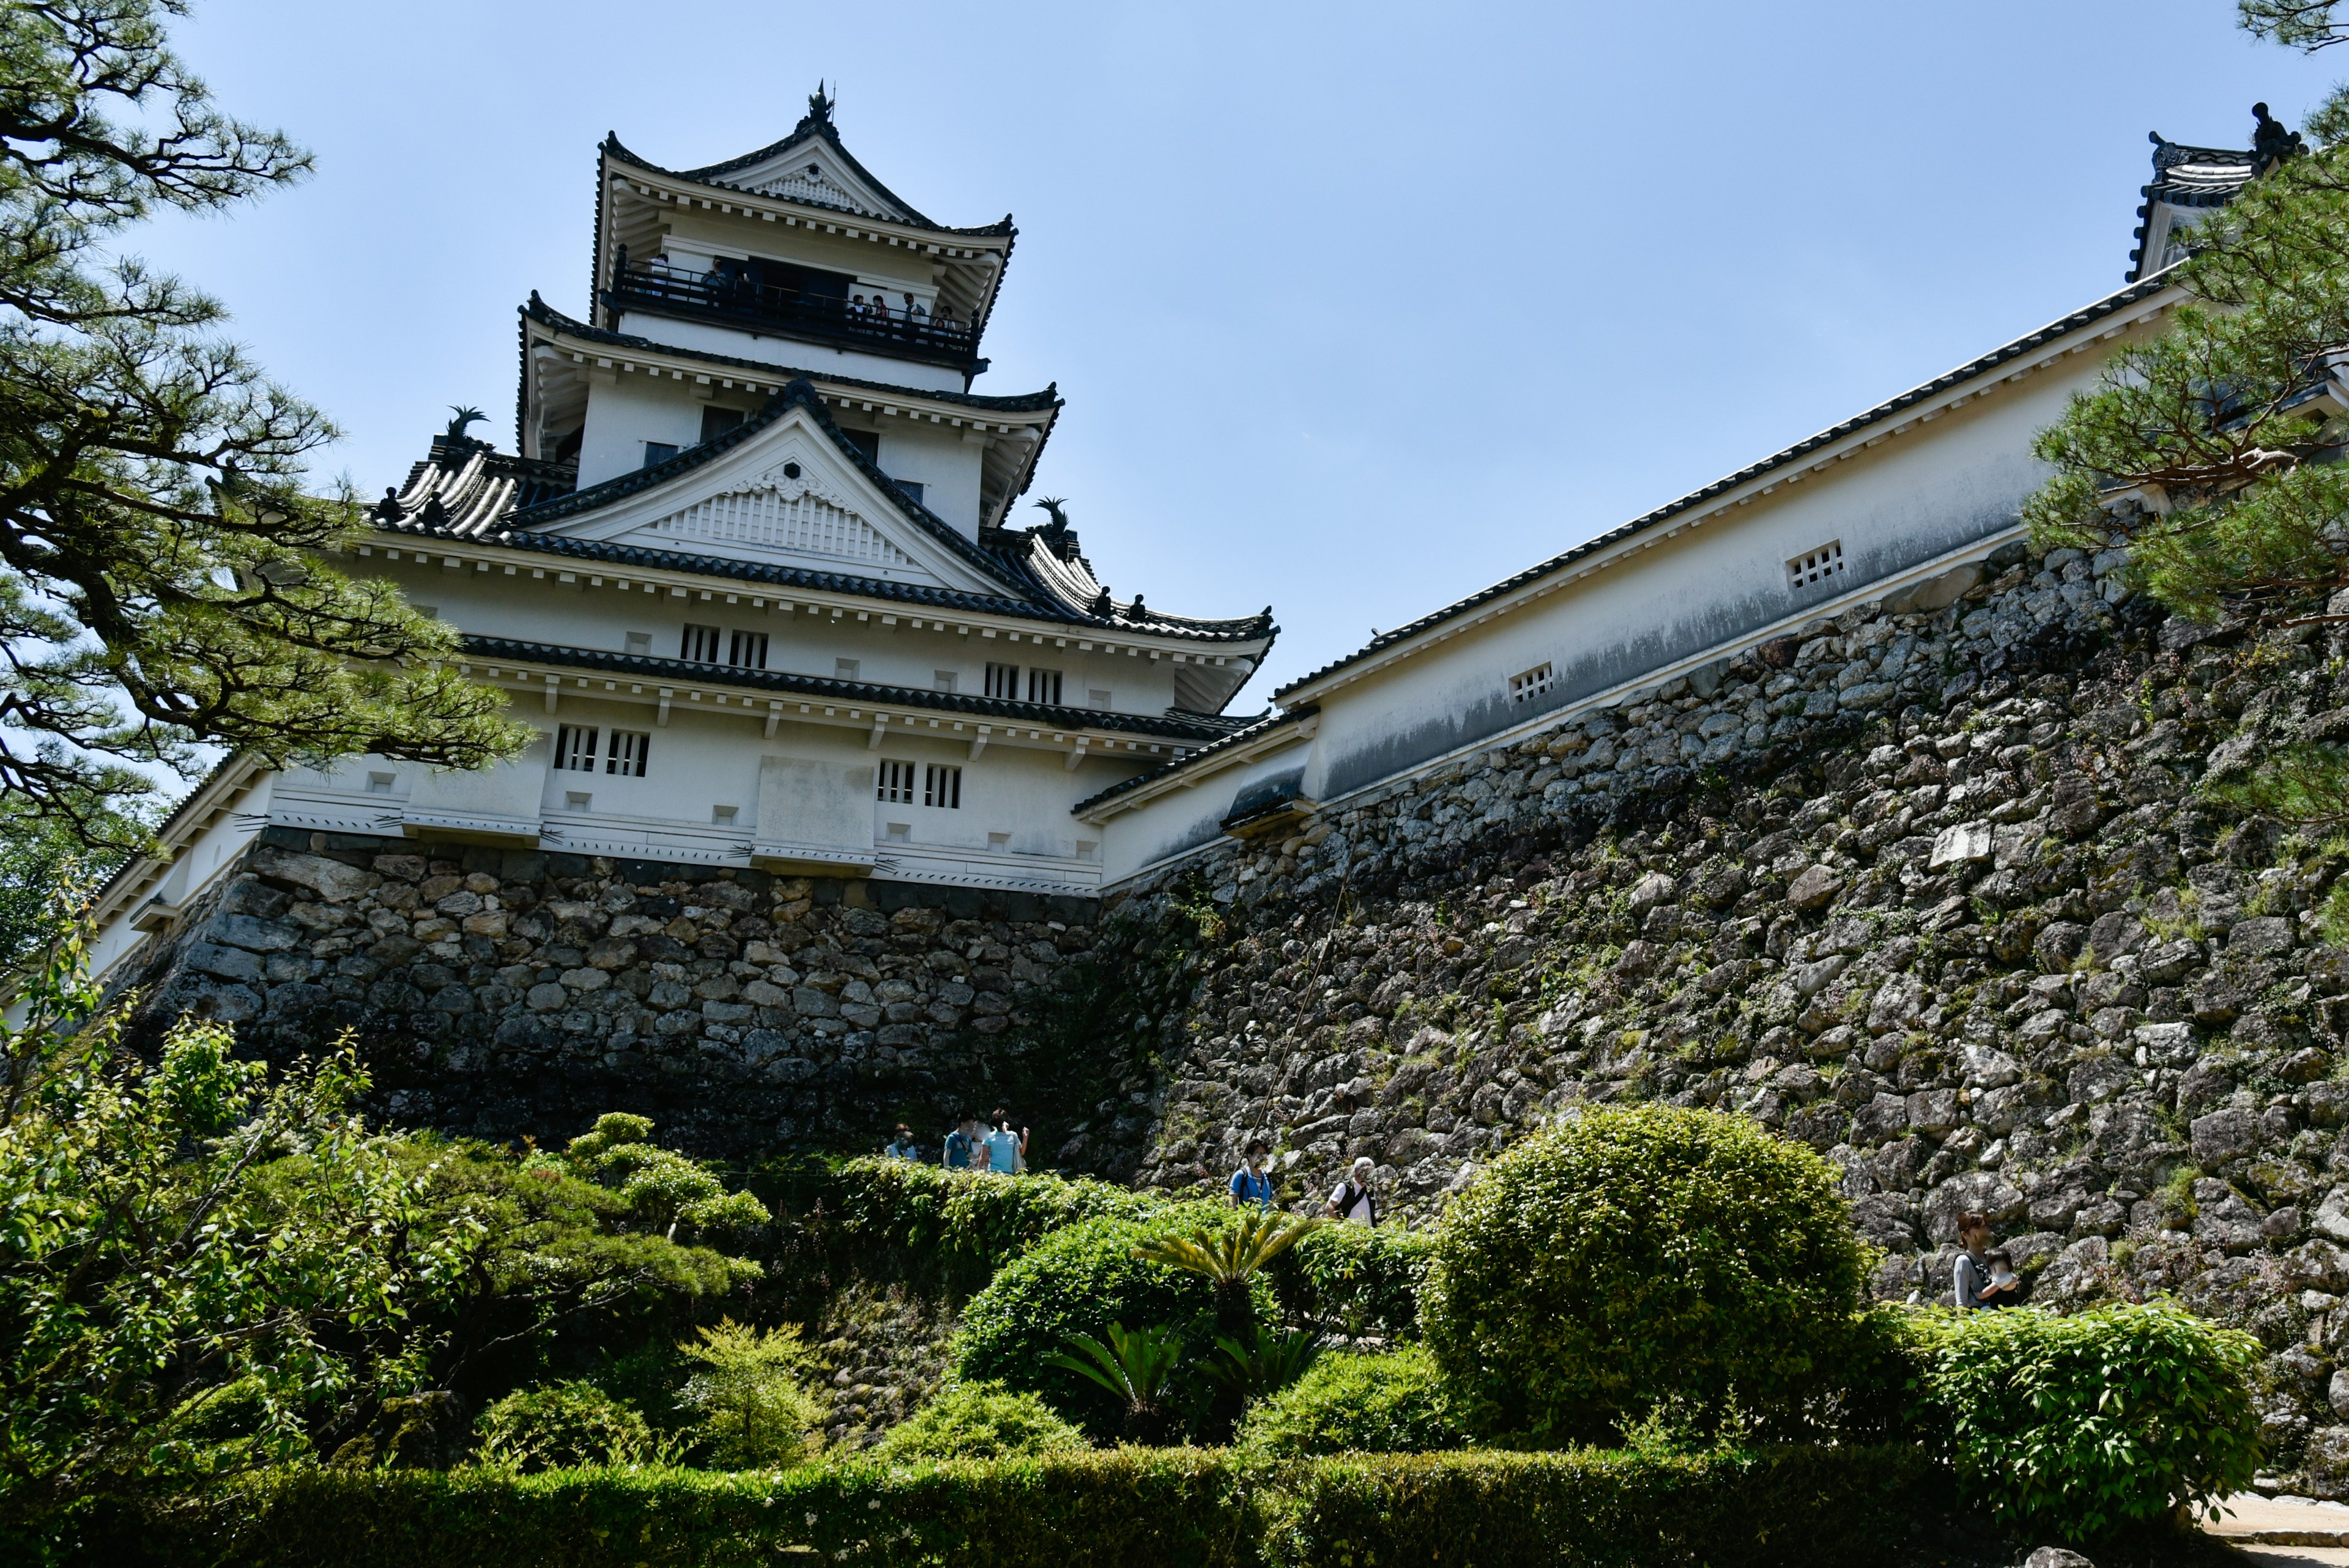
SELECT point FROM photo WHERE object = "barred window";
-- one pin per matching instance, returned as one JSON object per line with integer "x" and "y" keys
{"x": 1003, "y": 681}
{"x": 942, "y": 786}
{"x": 1532, "y": 683}
{"x": 748, "y": 651}
{"x": 574, "y": 748}
{"x": 1044, "y": 685}
{"x": 897, "y": 783}
{"x": 628, "y": 753}
{"x": 1820, "y": 564}
{"x": 700, "y": 644}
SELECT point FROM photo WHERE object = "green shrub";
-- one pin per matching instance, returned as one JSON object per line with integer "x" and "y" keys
{"x": 753, "y": 1407}
{"x": 1636, "y": 1256}
{"x": 1355, "y": 1279}
{"x": 1077, "y": 1281}
{"x": 1848, "y": 1506}
{"x": 2078, "y": 1426}
{"x": 974, "y": 1223}
{"x": 1390, "y": 1403}
{"x": 560, "y": 1427}
{"x": 980, "y": 1421}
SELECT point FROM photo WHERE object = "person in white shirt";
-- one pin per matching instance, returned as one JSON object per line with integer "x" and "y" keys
{"x": 1006, "y": 1151}
{"x": 1351, "y": 1199}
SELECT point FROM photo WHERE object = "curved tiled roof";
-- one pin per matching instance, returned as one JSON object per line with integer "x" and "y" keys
{"x": 2187, "y": 176}
{"x": 1172, "y": 724}
{"x": 465, "y": 490}
{"x": 1250, "y": 729}
{"x": 1891, "y": 409}
{"x": 812, "y": 126}
{"x": 546, "y": 316}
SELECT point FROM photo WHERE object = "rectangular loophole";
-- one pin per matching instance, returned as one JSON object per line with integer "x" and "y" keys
{"x": 1820, "y": 564}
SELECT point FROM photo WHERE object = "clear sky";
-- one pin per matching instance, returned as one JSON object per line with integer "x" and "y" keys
{"x": 1357, "y": 307}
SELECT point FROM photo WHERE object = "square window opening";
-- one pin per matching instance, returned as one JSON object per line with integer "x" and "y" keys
{"x": 577, "y": 799}
{"x": 1530, "y": 683}
{"x": 698, "y": 646}
{"x": 897, "y": 783}
{"x": 629, "y": 751}
{"x": 944, "y": 680}
{"x": 658, "y": 452}
{"x": 1820, "y": 564}
{"x": 901, "y": 832}
{"x": 1003, "y": 681}
{"x": 747, "y": 650}
{"x": 574, "y": 748}
{"x": 942, "y": 786}
{"x": 724, "y": 816}
{"x": 1045, "y": 687}
{"x": 640, "y": 645}
{"x": 845, "y": 669}
{"x": 999, "y": 840}
{"x": 716, "y": 422}
{"x": 381, "y": 783}
{"x": 1097, "y": 697}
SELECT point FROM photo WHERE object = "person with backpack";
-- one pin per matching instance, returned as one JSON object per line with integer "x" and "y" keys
{"x": 1352, "y": 1199}
{"x": 1250, "y": 1186}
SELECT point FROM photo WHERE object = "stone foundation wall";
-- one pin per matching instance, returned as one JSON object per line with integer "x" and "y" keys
{"x": 1935, "y": 891}
{"x": 502, "y": 992}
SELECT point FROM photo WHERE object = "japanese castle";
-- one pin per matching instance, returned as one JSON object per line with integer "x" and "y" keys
{"x": 756, "y": 570}
{"x": 760, "y": 574}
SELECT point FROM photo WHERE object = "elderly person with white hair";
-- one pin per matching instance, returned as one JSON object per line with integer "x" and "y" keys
{"x": 1352, "y": 1199}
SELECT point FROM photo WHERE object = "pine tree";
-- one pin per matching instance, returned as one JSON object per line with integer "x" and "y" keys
{"x": 162, "y": 586}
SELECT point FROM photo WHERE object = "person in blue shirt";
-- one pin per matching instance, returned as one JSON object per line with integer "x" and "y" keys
{"x": 902, "y": 1146}
{"x": 1006, "y": 1151}
{"x": 961, "y": 1143}
{"x": 1249, "y": 1185}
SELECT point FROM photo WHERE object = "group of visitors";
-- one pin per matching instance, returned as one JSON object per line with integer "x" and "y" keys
{"x": 1984, "y": 1275}
{"x": 1351, "y": 1199}
{"x": 911, "y": 315}
{"x": 995, "y": 1148}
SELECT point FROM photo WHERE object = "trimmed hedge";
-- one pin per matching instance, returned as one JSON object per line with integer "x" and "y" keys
{"x": 973, "y": 1223}
{"x": 1171, "y": 1508}
{"x": 1393, "y": 1403}
{"x": 1821, "y": 1507}
{"x": 1356, "y": 1280}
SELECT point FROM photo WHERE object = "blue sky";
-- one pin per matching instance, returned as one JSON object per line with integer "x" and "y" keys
{"x": 1356, "y": 308}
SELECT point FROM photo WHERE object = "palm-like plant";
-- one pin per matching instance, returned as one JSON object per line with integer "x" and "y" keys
{"x": 1139, "y": 1368}
{"x": 1263, "y": 1363}
{"x": 1230, "y": 1257}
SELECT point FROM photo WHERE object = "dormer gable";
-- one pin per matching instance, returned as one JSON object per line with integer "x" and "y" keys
{"x": 785, "y": 488}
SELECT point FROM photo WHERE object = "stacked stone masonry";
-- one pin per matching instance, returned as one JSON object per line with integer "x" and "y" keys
{"x": 500, "y": 992}
{"x": 1936, "y": 887}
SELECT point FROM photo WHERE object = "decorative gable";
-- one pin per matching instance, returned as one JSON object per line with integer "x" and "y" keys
{"x": 806, "y": 181}
{"x": 785, "y": 507}
{"x": 786, "y": 491}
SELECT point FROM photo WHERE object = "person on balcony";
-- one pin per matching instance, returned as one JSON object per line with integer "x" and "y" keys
{"x": 946, "y": 319}
{"x": 916, "y": 316}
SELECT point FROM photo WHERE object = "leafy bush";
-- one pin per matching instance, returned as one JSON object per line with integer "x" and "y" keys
{"x": 753, "y": 1407}
{"x": 973, "y": 1224}
{"x": 2078, "y": 1426}
{"x": 1079, "y": 1281}
{"x": 561, "y": 1427}
{"x": 1848, "y": 1506}
{"x": 1390, "y": 1403}
{"x": 1356, "y": 1280}
{"x": 1635, "y": 1256}
{"x": 980, "y": 1421}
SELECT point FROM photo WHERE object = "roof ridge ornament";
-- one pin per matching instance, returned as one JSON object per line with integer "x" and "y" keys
{"x": 2271, "y": 140}
{"x": 820, "y": 107}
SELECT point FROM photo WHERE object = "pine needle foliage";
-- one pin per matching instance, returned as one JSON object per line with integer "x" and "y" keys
{"x": 2211, "y": 453}
{"x": 165, "y": 582}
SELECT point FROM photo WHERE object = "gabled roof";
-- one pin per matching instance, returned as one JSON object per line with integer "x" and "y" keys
{"x": 1996, "y": 360}
{"x": 463, "y": 489}
{"x": 2187, "y": 176}
{"x": 814, "y": 126}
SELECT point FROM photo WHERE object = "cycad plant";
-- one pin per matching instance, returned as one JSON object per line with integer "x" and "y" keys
{"x": 1231, "y": 1258}
{"x": 1138, "y": 1366}
{"x": 1262, "y": 1364}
